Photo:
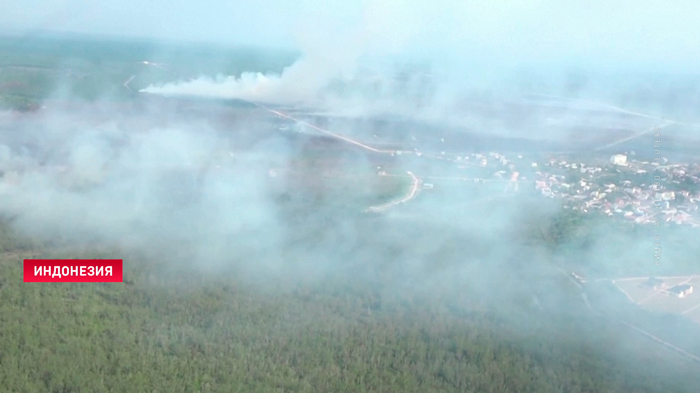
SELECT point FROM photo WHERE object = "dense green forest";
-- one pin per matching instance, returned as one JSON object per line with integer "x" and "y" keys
{"x": 174, "y": 328}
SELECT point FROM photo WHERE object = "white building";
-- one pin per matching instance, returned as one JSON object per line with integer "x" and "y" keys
{"x": 681, "y": 290}
{"x": 668, "y": 195}
{"x": 618, "y": 159}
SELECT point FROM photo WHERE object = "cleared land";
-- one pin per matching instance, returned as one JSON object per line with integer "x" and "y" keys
{"x": 693, "y": 313}
{"x": 657, "y": 299}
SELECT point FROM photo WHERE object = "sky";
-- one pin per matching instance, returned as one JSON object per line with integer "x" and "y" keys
{"x": 652, "y": 34}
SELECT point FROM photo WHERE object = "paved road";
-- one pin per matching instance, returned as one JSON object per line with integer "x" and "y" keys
{"x": 334, "y": 135}
{"x": 411, "y": 194}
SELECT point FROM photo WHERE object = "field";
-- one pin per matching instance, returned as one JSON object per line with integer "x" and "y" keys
{"x": 693, "y": 313}
{"x": 656, "y": 300}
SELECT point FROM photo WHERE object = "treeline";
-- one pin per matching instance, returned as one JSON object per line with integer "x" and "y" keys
{"x": 89, "y": 68}
{"x": 608, "y": 246}
{"x": 171, "y": 330}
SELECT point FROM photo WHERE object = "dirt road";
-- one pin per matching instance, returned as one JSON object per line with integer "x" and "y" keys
{"x": 334, "y": 135}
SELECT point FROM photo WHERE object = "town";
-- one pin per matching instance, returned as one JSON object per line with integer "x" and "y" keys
{"x": 640, "y": 191}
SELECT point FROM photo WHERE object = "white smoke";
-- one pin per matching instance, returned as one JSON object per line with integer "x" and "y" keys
{"x": 300, "y": 82}
{"x": 332, "y": 51}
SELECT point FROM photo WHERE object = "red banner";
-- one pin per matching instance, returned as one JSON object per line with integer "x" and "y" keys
{"x": 73, "y": 270}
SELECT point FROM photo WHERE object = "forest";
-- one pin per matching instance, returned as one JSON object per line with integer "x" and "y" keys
{"x": 177, "y": 328}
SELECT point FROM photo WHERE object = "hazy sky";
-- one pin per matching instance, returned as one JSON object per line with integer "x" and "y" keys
{"x": 654, "y": 33}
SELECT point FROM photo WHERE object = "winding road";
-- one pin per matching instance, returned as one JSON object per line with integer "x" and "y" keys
{"x": 411, "y": 194}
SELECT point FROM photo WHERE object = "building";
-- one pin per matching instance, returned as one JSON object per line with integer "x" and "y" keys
{"x": 618, "y": 159}
{"x": 681, "y": 291}
{"x": 668, "y": 196}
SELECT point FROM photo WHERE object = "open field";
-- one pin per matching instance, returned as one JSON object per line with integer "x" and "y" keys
{"x": 657, "y": 300}
{"x": 693, "y": 313}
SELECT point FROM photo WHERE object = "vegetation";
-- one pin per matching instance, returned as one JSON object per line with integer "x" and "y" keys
{"x": 479, "y": 316}
{"x": 628, "y": 247}
{"x": 35, "y": 68}
{"x": 674, "y": 329}
{"x": 18, "y": 102}
{"x": 182, "y": 330}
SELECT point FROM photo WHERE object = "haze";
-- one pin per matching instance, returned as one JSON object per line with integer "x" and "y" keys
{"x": 403, "y": 196}
{"x": 655, "y": 35}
